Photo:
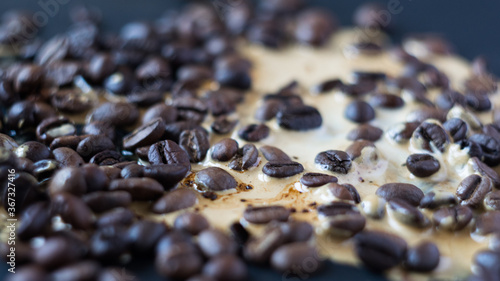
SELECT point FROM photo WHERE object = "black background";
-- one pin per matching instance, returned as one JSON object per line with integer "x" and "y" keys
{"x": 472, "y": 27}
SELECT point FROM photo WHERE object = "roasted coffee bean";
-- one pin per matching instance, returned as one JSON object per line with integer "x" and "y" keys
{"x": 95, "y": 178}
{"x": 314, "y": 27}
{"x": 449, "y": 98}
{"x": 33, "y": 150}
{"x": 430, "y": 136}
{"x": 334, "y": 160}
{"x": 359, "y": 112}
{"x": 82, "y": 270}
{"x": 67, "y": 141}
{"x": 57, "y": 251}
{"x": 142, "y": 152}
{"x": 168, "y": 175}
{"x": 491, "y": 130}
{"x": 388, "y": 101}
{"x": 54, "y": 127}
{"x": 457, "y": 128}
{"x": 422, "y": 165}
{"x": 35, "y": 221}
{"x": 7, "y": 142}
{"x": 147, "y": 134}
{"x": 173, "y": 131}
{"x": 327, "y": 86}
{"x": 143, "y": 236}
{"x": 233, "y": 71}
{"x": 100, "y": 66}
{"x": 296, "y": 256}
{"x": 492, "y": 201}
{"x": 67, "y": 157}
{"x": 73, "y": 210}
{"x": 259, "y": 249}
{"x": 72, "y": 100}
{"x": 28, "y": 79}
{"x": 486, "y": 266}
{"x": 472, "y": 190}
{"x": 120, "y": 82}
{"x": 192, "y": 223}
{"x": 435, "y": 199}
{"x": 177, "y": 257}
{"x": 368, "y": 77}
{"x": 111, "y": 172}
{"x": 452, "y": 218}
{"x": 365, "y": 132}
{"x": 194, "y": 73}
{"x": 224, "y": 150}
{"x": 239, "y": 233}
{"x": 406, "y": 213}
{"x": 70, "y": 179}
{"x": 272, "y": 153}
{"x": 23, "y": 164}
{"x": 422, "y": 258}
{"x": 336, "y": 208}
{"x": 484, "y": 170}
{"x": 405, "y": 191}
{"x": 139, "y": 188}
{"x": 190, "y": 109}
{"x": 213, "y": 242}
{"x": 488, "y": 222}
{"x": 401, "y": 133}
{"x": 62, "y": 73}
{"x": 222, "y": 125}
{"x": 167, "y": 113}
{"x": 226, "y": 267}
{"x": 245, "y": 158}
{"x": 254, "y": 132}
{"x": 299, "y": 118}
{"x": 108, "y": 242}
{"x": 478, "y": 101}
{"x": 316, "y": 179}
{"x": 132, "y": 171}
{"x": 344, "y": 192}
{"x": 107, "y": 158}
{"x": 269, "y": 109}
{"x": 168, "y": 152}
{"x": 490, "y": 148}
{"x": 222, "y": 102}
{"x": 175, "y": 200}
{"x": 379, "y": 251}
{"x": 101, "y": 201}
{"x": 44, "y": 169}
{"x": 195, "y": 143}
{"x": 279, "y": 169}
{"x": 215, "y": 179}
{"x": 155, "y": 68}
{"x": 355, "y": 150}
{"x": 263, "y": 215}
{"x": 119, "y": 114}
{"x": 94, "y": 144}
{"x": 116, "y": 216}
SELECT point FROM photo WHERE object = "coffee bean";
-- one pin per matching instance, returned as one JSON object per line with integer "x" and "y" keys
{"x": 430, "y": 136}
{"x": 167, "y": 113}
{"x": 296, "y": 256}
{"x": 67, "y": 157}
{"x": 177, "y": 258}
{"x": 422, "y": 258}
{"x": 73, "y": 210}
{"x": 259, "y": 249}
{"x": 435, "y": 199}
{"x": 457, "y": 128}
{"x": 299, "y": 118}
{"x": 452, "y": 218}
{"x": 94, "y": 144}
{"x": 7, "y": 142}
{"x": 492, "y": 201}
{"x": 175, "y": 200}
{"x": 269, "y": 109}
{"x": 117, "y": 216}
{"x": 190, "y": 109}
{"x": 168, "y": 152}
{"x": 139, "y": 188}
{"x": 424, "y": 113}
{"x": 486, "y": 262}
{"x": 245, "y": 158}
{"x": 132, "y": 171}
{"x": 478, "y": 101}
{"x": 314, "y": 27}
{"x": 195, "y": 143}
{"x": 44, "y": 169}
{"x": 99, "y": 67}
{"x": 233, "y": 71}
{"x": 226, "y": 268}
{"x": 239, "y": 233}
{"x": 192, "y": 223}
{"x": 490, "y": 148}
{"x": 488, "y": 222}
{"x": 214, "y": 242}
{"x": 147, "y": 134}
{"x": 359, "y": 112}
{"x": 101, "y": 201}
{"x": 23, "y": 164}
{"x": 222, "y": 102}
{"x": 449, "y": 98}
{"x": 327, "y": 86}
{"x": 108, "y": 242}
{"x": 334, "y": 160}
{"x": 272, "y": 153}
{"x": 379, "y": 251}
{"x": 344, "y": 192}
{"x": 29, "y": 79}
{"x": 355, "y": 150}
{"x": 67, "y": 141}
{"x": 95, "y": 178}
{"x": 143, "y": 236}
{"x": 118, "y": 114}
{"x": 224, "y": 150}
{"x": 405, "y": 191}
{"x": 254, "y": 132}
{"x": 70, "y": 180}
{"x": 168, "y": 175}
{"x": 54, "y": 127}
{"x": 278, "y": 169}
{"x": 401, "y": 133}
{"x": 82, "y": 270}
{"x": 406, "y": 213}
{"x": 108, "y": 158}
{"x": 365, "y": 132}
{"x": 33, "y": 150}
{"x": 216, "y": 179}
{"x": 316, "y": 179}
{"x": 173, "y": 131}
{"x": 35, "y": 220}
{"x": 472, "y": 190}
{"x": 222, "y": 125}
{"x": 388, "y": 101}
{"x": 422, "y": 165}
{"x": 485, "y": 171}
{"x": 72, "y": 100}
{"x": 57, "y": 251}
{"x": 263, "y": 215}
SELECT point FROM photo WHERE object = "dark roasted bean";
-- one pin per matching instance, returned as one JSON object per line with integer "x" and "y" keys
{"x": 316, "y": 179}
{"x": 72, "y": 100}
{"x": 484, "y": 170}
{"x": 449, "y": 98}
{"x": 67, "y": 141}
{"x": 54, "y": 127}
{"x": 488, "y": 222}
{"x": 422, "y": 258}
{"x": 478, "y": 101}
{"x": 327, "y": 86}
{"x": 132, "y": 171}
{"x": 430, "y": 136}
{"x": 296, "y": 256}
{"x": 33, "y": 150}
{"x": 167, "y": 113}
{"x": 406, "y": 213}
{"x": 168, "y": 152}
{"x": 486, "y": 262}
{"x": 492, "y": 201}
{"x": 422, "y": 165}
{"x": 435, "y": 199}
{"x": 269, "y": 109}
{"x": 44, "y": 169}
{"x": 99, "y": 67}
{"x": 225, "y": 149}
{"x": 70, "y": 179}
{"x": 67, "y": 157}
{"x": 215, "y": 179}
{"x": 365, "y": 132}
{"x": 94, "y": 144}
{"x": 246, "y": 158}
{"x": 214, "y": 242}
{"x": 7, "y": 142}
{"x": 144, "y": 235}
{"x": 222, "y": 125}
{"x": 272, "y": 153}
{"x": 107, "y": 158}
{"x": 453, "y": 218}
{"x": 314, "y": 27}
{"x": 226, "y": 267}
{"x": 278, "y": 169}
{"x": 195, "y": 143}
{"x": 116, "y": 216}
{"x": 95, "y": 178}
{"x": 192, "y": 223}
{"x": 334, "y": 160}
{"x": 254, "y": 132}
{"x": 101, "y": 201}
{"x": 177, "y": 257}
{"x": 118, "y": 114}
{"x": 108, "y": 242}
{"x": 457, "y": 128}
{"x": 168, "y": 175}
{"x": 34, "y": 220}
{"x": 299, "y": 118}
{"x": 356, "y": 149}
{"x": 490, "y": 148}
{"x": 73, "y": 210}
{"x": 344, "y": 192}
{"x": 259, "y": 249}
{"x": 472, "y": 190}
{"x": 174, "y": 130}
{"x": 147, "y": 134}
{"x": 389, "y": 101}
{"x": 233, "y": 71}
{"x": 401, "y": 133}
{"x": 359, "y": 112}
{"x": 139, "y": 188}
{"x": 404, "y": 191}
{"x": 337, "y": 208}
{"x": 23, "y": 164}
{"x": 262, "y": 215}
{"x": 190, "y": 109}
{"x": 379, "y": 251}
{"x": 57, "y": 251}
{"x": 175, "y": 200}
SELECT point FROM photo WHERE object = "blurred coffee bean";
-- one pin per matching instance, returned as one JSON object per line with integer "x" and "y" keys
{"x": 95, "y": 178}
{"x": 490, "y": 148}
{"x": 145, "y": 135}
{"x": 33, "y": 150}
{"x": 226, "y": 268}
{"x": 314, "y": 27}
{"x": 139, "y": 188}
{"x": 93, "y": 144}
{"x": 299, "y": 118}
{"x": 282, "y": 169}
{"x": 167, "y": 113}
{"x": 370, "y": 15}
{"x": 233, "y": 71}
{"x": 7, "y": 142}
{"x": 485, "y": 171}
{"x": 192, "y": 223}
{"x": 72, "y": 100}
{"x": 254, "y": 132}
{"x": 296, "y": 256}
{"x": 117, "y": 216}
{"x": 422, "y": 165}
{"x": 316, "y": 179}
{"x": 57, "y": 251}
{"x": 101, "y": 201}
{"x": 452, "y": 218}
{"x": 174, "y": 130}
{"x": 488, "y": 222}
{"x": 422, "y": 258}
{"x": 144, "y": 235}
{"x": 344, "y": 192}
{"x": 263, "y": 215}
{"x": 28, "y": 79}
{"x": 457, "y": 128}
{"x": 168, "y": 175}
{"x": 213, "y": 242}
{"x": 175, "y": 200}
{"x": 119, "y": 114}
{"x": 401, "y": 133}
{"x": 492, "y": 201}
{"x": 29, "y": 272}
{"x": 259, "y": 249}
{"x": 373, "y": 206}
{"x": 359, "y": 112}
{"x": 108, "y": 243}
{"x": 34, "y": 221}
{"x": 405, "y": 191}
{"x": 379, "y": 251}
{"x": 70, "y": 179}
{"x": 100, "y": 66}
{"x": 222, "y": 125}
{"x": 472, "y": 190}
{"x": 478, "y": 101}
{"x": 272, "y": 153}
{"x": 73, "y": 210}
{"x": 177, "y": 257}
{"x": 365, "y": 132}
{"x": 449, "y": 98}
{"x": 406, "y": 213}
{"x": 435, "y": 199}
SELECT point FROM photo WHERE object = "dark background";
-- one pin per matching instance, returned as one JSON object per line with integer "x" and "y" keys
{"x": 472, "y": 26}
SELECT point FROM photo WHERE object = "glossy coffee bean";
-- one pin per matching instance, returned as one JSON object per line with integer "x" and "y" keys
{"x": 422, "y": 258}
{"x": 118, "y": 114}
{"x": 245, "y": 158}
{"x": 299, "y": 118}
{"x": 167, "y": 113}
{"x": 108, "y": 242}
{"x": 226, "y": 268}
{"x": 488, "y": 222}
{"x": 35, "y": 151}
{"x": 139, "y": 188}
{"x": 73, "y": 210}
{"x": 472, "y": 190}
{"x": 406, "y": 213}
{"x": 94, "y": 144}
{"x": 54, "y": 127}
{"x": 254, "y": 132}
{"x": 195, "y": 143}
{"x": 492, "y": 201}
{"x": 388, "y": 101}
{"x": 143, "y": 236}
{"x": 344, "y": 192}
{"x": 34, "y": 220}
{"x": 435, "y": 199}
{"x": 379, "y": 251}
{"x": 168, "y": 152}
{"x": 132, "y": 171}
{"x": 71, "y": 101}
{"x": 70, "y": 179}
{"x": 215, "y": 179}
{"x": 67, "y": 157}
{"x": 167, "y": 174}
{"x": 280, "y": 169}
{"x": 175, "y": 200}
{"x": 452, "y": 218}
{"x": 485, "y": 171}
{"x": 334, "y": 160}
{"x": 355, "y": 150}
{"x": 192, "y": 223}
{"x": 117, "y": 216}
{"x": 224, "y": 150}
{"x": 57, "y": 251}
{"x": 147, "y": 134}
{"x": 180, "y": 260}
{"x": 7, "y": 142}
{"x": 95, "y": 178}
{"x": 107, "y": 158}
{"x": 259, "y": 249}
{"x": 296, "y": 256}
{"x": 490, "y": 148}
{"x": 405, "y": 191}
{"x": 214, "y": 242}
{"x": 457, "y": 128}
{"x": 365, "y": 132}
{"x": 359, "y": 112}
{"x": 422, "y": 165}
{"x": 223, "y": 125}
{"x": 316, "y": 179}
{"x": 430, "y": 133}
{"x": 263, "y": 215}
{"x": 233, "y": 71}
{"x": 102, "y": 201}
